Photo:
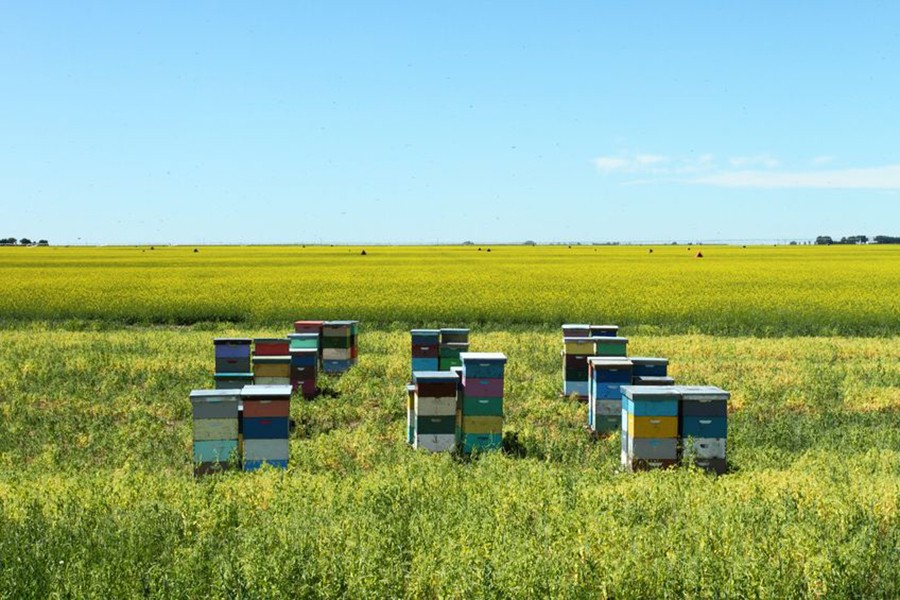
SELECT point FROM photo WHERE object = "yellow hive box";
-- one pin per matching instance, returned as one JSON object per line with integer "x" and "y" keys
{"x": 272, "y": 370}
{"x": 580, "y": 348}
{"x": 652, "y": 427}
{"x": 482, "y": 424}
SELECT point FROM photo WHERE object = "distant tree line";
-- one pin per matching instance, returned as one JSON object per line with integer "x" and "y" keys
{"x": 826, "y": 240}
{"x": 11, "y": 241}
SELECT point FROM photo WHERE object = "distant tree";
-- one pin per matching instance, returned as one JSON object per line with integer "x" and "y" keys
{"x": 43, "y": 243}
{"x": 10, "y": 241}
{"x": 529, "y": 243}
{"x": 854, "y": 239}
{"x": 886, "y": 239}
{"x": 824, "y": 240}
{"x": 793, "y": 243}
{"x": 25, "y": 242}
{"x": 468, "y": 243}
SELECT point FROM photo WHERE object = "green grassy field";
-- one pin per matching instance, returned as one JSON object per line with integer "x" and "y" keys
{"x": 97, "y": 497}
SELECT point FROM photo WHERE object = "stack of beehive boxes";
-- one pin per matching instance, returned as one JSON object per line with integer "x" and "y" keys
{"x": 266, "y": 425}
{"x": 232, "y": 357}
{"x": 426, "y": 349}
{"x": 578, "y": 346}
{"x": 704, "y": 425}
{"x": 215, "y": 429}
{"x": 339, "y": 346}
{"x": 311, "y": 327}
{"x": 649, "y": 426}
{"x": 481, "y": 426}
{"x": 650, "y": 371}
{"x": 434, "y": 410}
{"x": 453, "y": 342}
{"x": 606, "y": 376}
{"x": 271, "y": 361}
{"x": 304, "y": 351}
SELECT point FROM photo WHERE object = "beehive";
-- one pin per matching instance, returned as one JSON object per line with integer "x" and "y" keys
{"x": 649, "y": 366}
{"x": 266, "y": 425}
{"x": 215, "y": 430}
{"x": 434, "y": 410}
{"x": 606, "y": 376}
{"x": 649, "y": 427}
{"x": 339, "y": 346}
{"x": 272, "y": 370}
{"x": 453, "y": 342}
{"x": 232, "y": 363}
{"x": 481, "y": 423}
{"x": 703, "y": 425}
{"x": 304, "y": 362}
{"x": 425, "y": 349}
{"x": 576, "y": 351}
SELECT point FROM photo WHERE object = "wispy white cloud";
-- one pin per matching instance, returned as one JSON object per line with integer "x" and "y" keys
{"x": 761, "y": 171}
{"x": 760, "y": 160}
{"x": 611, "y": 163}
{"x": 653, "y": 164}
{"x": 886, "y": 177}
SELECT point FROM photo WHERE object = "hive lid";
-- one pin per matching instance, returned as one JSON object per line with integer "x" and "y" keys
{"x": 434, "y": 332}
{"x": 435, "y": 376}
{"x": 610, "y": 340}
{"x": 303, "y": 336}
{"x": 203, "y": 394}
{"x": 650, "y": 392}
{"x": 339, "y": 323}
{"x": 649, "y": 360}
{"x": 270, "y": 340}
{"x": 263, "y": 391}
{"x": 454, "y": 330}
{"x": 233, "y": 376}
{"x": 604, "y": 327}
{"x": 457, "y": 345}
{"x": 654, "y": 379}
{"x": 483, "y": 356}
{"x": 609, "y": 361}
{"x": 576, "y": 326}
{"x": 702, "y": 392}
{"x": 283, "y": 358}
{"x": 313, "y": 351}
{"x": 240, "y": 341}
{"x": 308, "y": 323}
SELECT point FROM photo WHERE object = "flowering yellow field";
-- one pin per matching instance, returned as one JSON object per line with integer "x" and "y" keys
{"x": 731, "y": 290}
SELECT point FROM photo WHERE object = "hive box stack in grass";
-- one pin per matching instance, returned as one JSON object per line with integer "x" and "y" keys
{"x": 649, "y": 427}
{"x": 339, "y": 350}
{"x": 606, "y": 376}
{"x": 434, "y": 408}
{"x": 650, "y": 371}
{"x": 271, "y": 361}
{"x": 481, "y": 426}
{"x": 454, "y": 341}
{"x": 267, "y": 409}
{"x": 232, "y": 363}
{"x": 215, "y": 430}
{"x": 576, "y": 352}
{"x": 425, "y": 349}
{"x": 304, "y": 352}
{"x": 704, "y": 425}
{"x": 311, "y": 327}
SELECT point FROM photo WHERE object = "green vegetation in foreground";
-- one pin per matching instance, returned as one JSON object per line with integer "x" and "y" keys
{"x": 96, "y": 496}
{"x": 834, "y": 290}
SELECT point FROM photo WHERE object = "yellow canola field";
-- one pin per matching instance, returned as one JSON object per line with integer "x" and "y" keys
{"x": 785, "y": 290}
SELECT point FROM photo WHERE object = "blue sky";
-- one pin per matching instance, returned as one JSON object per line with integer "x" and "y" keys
{"x": 409, "y": 122}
